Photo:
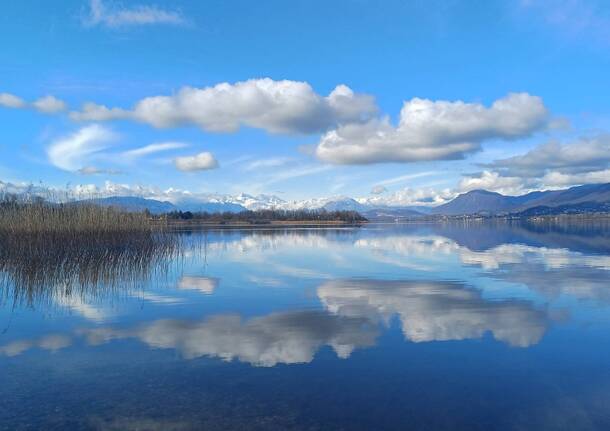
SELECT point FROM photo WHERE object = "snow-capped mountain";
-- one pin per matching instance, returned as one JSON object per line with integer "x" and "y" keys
{"x": 586, "y": 198}
{"x": 256, "y": 202}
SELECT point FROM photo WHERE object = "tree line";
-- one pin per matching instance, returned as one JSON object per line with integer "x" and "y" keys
{"x": 269, "y": 215}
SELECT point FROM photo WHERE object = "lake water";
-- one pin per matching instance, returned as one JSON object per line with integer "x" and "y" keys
{"x": 423, "y": 327}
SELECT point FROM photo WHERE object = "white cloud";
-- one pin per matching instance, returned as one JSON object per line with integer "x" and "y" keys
{"x": 547, "y": 166}
{"x": 46, "y": 104}
{"x": 49, "y": 105}
{"x": 154, "y": 148}
{"x": 423, "y": 196}
{"x": 275, "y": 106}
{"x": 580, "y": 156}
{"x": 71, "y": 153}
{"x": 556, "y": 179}
{"x": 199, "y": 162}
{"x": 116, "y": 16}
{"x": 492, "y": 181}
{"x": 94, "y": 112}
{"x": 434, "y": 130}
{"x": 11, "y": 101}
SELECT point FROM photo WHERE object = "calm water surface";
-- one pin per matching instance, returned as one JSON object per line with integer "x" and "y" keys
{"x": 423, "y": 327}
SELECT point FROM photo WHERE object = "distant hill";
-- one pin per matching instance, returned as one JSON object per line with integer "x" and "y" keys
{"x": 482, "y": 201}
{"x": 476, "y": 201}
{"x": 344, "y": 204}
{"x": 599, "y": 193}
{"x": 134, "y": 203}
{"x": 211, "y": 207}
{"x": 577, "y": 208}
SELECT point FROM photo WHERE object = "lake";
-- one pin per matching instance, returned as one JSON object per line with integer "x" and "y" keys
{"x": 472, "y": 326}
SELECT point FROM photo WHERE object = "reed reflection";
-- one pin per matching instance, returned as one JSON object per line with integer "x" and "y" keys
{"x": 35, "y": 269}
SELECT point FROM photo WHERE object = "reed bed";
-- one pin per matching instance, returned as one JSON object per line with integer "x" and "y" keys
{"x": 49, "y": 249}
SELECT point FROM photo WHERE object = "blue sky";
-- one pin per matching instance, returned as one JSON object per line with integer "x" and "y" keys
{"x": 506, "y": 96}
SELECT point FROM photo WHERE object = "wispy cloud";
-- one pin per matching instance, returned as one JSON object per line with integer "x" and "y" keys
{"x": 154, "y": 148}
{"x": 403, "y": 178}
{"x": 588, "y": 20}
{"x": 111, "y": 15}
{"x": 296, "y": 173}
{"x": 271, "y": 177}
{"x": 273, "y": 162}
{"x": 72, "y": 152}
{"x": 237, "y": 160}
{"x": 92, "y": 170}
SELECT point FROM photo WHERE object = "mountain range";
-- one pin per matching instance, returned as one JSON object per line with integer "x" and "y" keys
{"x": 587, "y": 198}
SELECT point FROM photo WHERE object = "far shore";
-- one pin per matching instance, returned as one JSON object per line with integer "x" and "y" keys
{"x": 188, "y": 224}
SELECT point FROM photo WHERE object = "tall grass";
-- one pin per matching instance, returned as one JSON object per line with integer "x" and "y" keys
{"x": 38, "y": 217}
{"x": 48, "y": 247}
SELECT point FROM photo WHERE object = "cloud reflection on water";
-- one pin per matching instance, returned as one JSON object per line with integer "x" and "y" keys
{"x": 436, "y": 311}
{"x": 353, "y": 311}
{"x": 287, "y": 337}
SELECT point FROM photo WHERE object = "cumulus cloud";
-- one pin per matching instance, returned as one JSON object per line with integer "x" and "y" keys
{"x": 278, "y": 338}
{"x": 434, "y": 130}
{"x": 154, "y": 148}
{"x": 424, "y": 196}
{"x": 559, "y": 180}
{"x": 101, "y": 13}
{"x": 275, "y": 106}
{"x": 581, "y": 156}
{"x": 547, "y": 166}
{"x": 436, "y": 311}
{"x": 494, "y": 182}
{"x": 71, "y": 152}
{"x": 199, "y": 162}
{"x": 46, "y": 104}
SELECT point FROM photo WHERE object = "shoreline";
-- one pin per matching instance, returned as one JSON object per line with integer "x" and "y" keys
{"x": 270, "y": 225}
